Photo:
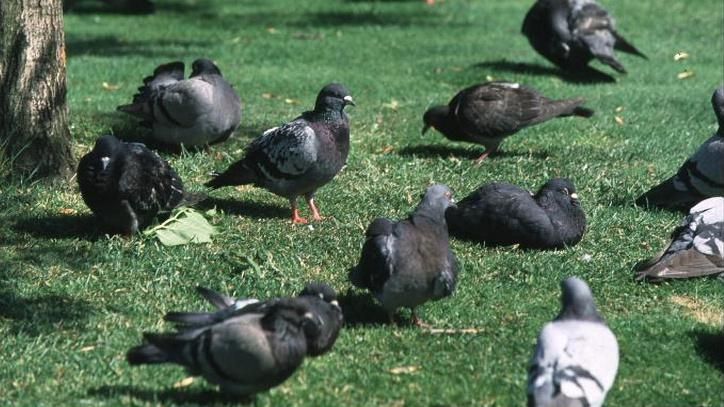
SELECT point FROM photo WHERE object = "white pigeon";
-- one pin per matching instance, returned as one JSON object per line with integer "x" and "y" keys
{"x": 576, "y": 358}
{"x": 697, "y": 247}
{"x": 700, "y": 177}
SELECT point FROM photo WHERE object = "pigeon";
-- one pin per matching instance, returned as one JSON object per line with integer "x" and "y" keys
{"x": 126, "y": 185}
{"x": 203, "y": 109}
{"x": 248, "y": 351}
{"x": 300, "y": 156}
{"x": 701, "y": 176}
{"x": 320, "y": 297}
{"x": 576, "y": 357}
{"x": 408, "y": 262}
{"x": 489, "y": 112}
{"x": 697, "y": 246}
{"x": 570, "y": 33}
{"x": 504, "y": 214}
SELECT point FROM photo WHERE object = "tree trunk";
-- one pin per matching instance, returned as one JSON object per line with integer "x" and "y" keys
{"x": 34, "y": 135}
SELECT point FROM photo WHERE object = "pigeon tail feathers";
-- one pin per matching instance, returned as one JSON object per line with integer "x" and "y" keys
{"x": 238, "y": 174}
{"x": 146, "y": 354}
{"x": 624, "y": 46}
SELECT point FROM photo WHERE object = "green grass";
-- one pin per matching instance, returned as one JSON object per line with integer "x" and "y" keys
{"x": 72, "y": 302}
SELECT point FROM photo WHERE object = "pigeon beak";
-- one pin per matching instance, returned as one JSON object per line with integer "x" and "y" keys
{"x": 574, "y": 196}
{"x": 425, "y": 128}
{"x": 104, "y": 162}
{"x": 348, "y": 100}
{"x": 334, "y": 303}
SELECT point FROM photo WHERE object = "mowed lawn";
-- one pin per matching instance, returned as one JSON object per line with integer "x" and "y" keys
{"x": 73, "y": 300}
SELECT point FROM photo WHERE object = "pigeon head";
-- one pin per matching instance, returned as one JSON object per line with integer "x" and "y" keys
{"x": 106, "y": 148}
{"x": 321, "y": 290}
{"x": 560, "y": 190}
{"x": 333, "y": 97}
{"x": 436, "y": 200}
{"x": 577, "y": 301}
{"x": 717, "y": 102}
{"x": 435, "y": 117}
{"x": 204, "y": 66}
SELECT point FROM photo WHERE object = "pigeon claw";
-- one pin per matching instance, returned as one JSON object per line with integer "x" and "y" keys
{"x": 482, "y": 157}
{"x": 298, "y": 220}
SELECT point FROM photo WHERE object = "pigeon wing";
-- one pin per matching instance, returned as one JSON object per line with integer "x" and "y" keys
{"x": 184, "y": 102}
{"x": 496, "y": 109}
{"x": 284, "y": 152}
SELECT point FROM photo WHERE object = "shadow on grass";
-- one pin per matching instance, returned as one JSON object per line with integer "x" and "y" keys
{"x": 176, "y": 396}
{"x": 249, "y": 209}
{"x": 590, "y": 75}
{"x": 60, "y": 227}
{"x": 361, "y": 309}
{"x": 109, "y": 46}
{"x": 710, "y": 346}
{"x": 442, "y": 151}
{"x": 43, "y": 313}
{"x": 131, "y": 7}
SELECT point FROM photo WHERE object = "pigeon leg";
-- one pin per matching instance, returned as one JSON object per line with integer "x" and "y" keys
{"x": 313, "y": 208}
{"x": 296, "y": 219}
{"x": 418, "y": 322}
{"x": 485, "y": 155}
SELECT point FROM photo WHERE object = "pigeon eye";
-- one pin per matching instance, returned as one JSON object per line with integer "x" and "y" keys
{"x": 565, "y": 191}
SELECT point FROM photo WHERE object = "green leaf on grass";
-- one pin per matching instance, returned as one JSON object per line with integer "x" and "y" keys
{"x": 183, "y": 227}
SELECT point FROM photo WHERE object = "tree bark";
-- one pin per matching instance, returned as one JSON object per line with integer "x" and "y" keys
{"x": 34, "y": 134}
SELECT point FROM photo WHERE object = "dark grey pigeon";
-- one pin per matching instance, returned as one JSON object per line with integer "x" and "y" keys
{"x": 504, "y": 214}
{"x": 298, "y": 157}
{"x": 319, "y": 297}
{"x": 697, "y": 246}
{"x": 576, "y": 357}
{"x": 701, "y": 176}
{"x": 126, "y": 185}
{"x": 570, "y": 33}
{"x": 245, "y": 353}
{"x": 197, "y": 111}
{"x": 489, "y": 112}
{"x": 408, "y": 262}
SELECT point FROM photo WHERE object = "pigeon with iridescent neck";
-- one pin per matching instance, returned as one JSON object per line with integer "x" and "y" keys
{"x": 297, "y": 158}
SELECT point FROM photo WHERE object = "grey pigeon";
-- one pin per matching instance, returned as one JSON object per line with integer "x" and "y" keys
{"x": 489, "y": 112}
{"x": 298, "y": 157}
{"x": 576, "y": 357}
{"x": 319, "y": 297}
{"x": 197, "y": 111}
{"x": 697, "y": 248}
{"x": 570, "y": 33}
{"x": 126, "y": 185}
{"x": 701, "y": 176}
{"x": 408, "y": 262}
{"x": 504, "y": 214}
{"x": 248, "y": 351}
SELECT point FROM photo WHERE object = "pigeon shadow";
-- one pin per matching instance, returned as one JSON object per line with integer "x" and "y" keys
{"x": 361, "y": 310}
{"x": 587, "y": 75}
{"x": 60, "y": 227}
{"x": 168, "y": 396}
{"x": 710, "y": 346}
{"x": 42, "y": 313}
{"x": 442, "y": 151}
{"x": 249, "y": 209}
